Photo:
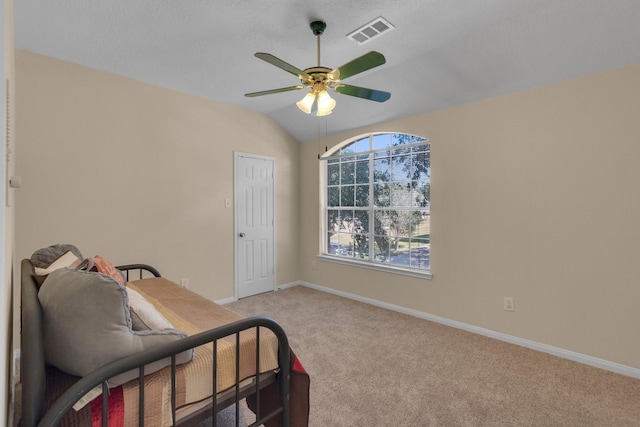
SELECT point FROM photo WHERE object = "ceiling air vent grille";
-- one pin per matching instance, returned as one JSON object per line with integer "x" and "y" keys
{"x": 370, "y": 31}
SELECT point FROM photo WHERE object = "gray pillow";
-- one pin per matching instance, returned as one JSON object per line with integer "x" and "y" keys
{"x": 45, "y": 256}
{"x": 87, "y": 324}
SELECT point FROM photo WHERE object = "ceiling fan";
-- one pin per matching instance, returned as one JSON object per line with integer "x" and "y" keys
{"x": 319, "y": 79}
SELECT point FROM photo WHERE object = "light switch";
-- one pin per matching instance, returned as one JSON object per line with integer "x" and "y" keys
{"x": 227, "y": 203}
{"x": 15, "y": 182}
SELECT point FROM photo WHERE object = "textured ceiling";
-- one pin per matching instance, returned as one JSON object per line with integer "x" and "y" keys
{"x": 441, "y": 53}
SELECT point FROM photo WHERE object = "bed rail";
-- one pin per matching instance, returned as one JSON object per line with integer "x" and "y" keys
{"x": 53, "y": 417}
{"x": 141, "y": 269}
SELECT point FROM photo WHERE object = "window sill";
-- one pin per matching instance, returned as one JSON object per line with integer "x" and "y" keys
{"x": 380, "y": 267}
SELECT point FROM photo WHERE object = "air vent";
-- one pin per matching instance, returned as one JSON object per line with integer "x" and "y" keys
{"x": 370, "y": 31}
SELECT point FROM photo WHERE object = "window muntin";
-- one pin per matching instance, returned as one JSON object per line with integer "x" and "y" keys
{"x": 378, "y": 201}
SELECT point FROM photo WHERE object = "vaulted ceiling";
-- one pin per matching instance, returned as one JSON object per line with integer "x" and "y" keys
{"x": 440, "y": 54}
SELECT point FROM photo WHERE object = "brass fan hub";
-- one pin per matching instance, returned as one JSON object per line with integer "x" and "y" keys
{"x": 319, "y": 78}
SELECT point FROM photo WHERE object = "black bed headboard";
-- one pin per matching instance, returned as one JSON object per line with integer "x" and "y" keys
{"x": 32, "y": 369}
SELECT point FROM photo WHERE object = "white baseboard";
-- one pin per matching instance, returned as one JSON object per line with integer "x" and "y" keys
{"x": 226, "y": 301}
{"x": 15, "y": 372}
{"x": 556, "y": 351}
{"x": 279, "y": 287}
{"x": 289, "y": 285}
{"x": 15, "y": 377}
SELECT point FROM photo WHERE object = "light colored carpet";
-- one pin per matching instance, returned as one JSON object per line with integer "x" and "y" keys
{"x": 374, "y": 367}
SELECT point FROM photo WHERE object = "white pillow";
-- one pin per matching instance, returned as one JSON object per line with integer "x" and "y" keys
{"x": 144, "y": 315}
{"x": 67, "y": 260}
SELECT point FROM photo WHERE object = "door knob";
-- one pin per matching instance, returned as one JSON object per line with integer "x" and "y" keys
{"x": 242, "y": 234}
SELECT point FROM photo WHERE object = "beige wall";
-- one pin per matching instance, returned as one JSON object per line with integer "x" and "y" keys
{"x": 536, "y": 196}
{"x": 139, "y": 173}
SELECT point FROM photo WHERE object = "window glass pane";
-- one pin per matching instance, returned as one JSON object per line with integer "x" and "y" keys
{"x": 333, "y": 218}
{"x": 400, "y": 194}
{"x": 401, "y": 151}
{"x": 333, "y": 196}
{"x": 361, "y": 222}
{"x": 333, "y": 174}
{"x": 382, "y": 222}
{"x": 421, "y": 194}
{"x": 361, "y": 246}
{"x": 400, "y": 166}
{"x": 346, "y": 150}
{"x": 381, "y": 195}
{"x": 381, "y": 154}
{"x": 362, "y": 145}
{"x": 420, "y": 166}
{"x": 381, "y": 141}
{"x": 400, "y": 139}
{"x": 400, "y": 225}
{"x": 398, "y": 252}
{"x": 347, "y": 172}
{"x": 334, "y": 160}
{"x": 346, "y": 244}
{"x": 335, "y": 248}
{"x": 419, "y": 254}
{"x": 347, "y": 195}
{"x": 362, "y": 172}
{"x": 421, "y": 225}
{"x": 420, "y": 148}
{"x": 346, "y": 221}
{"x": 381, "y": 170}
{"x": 381, "y": 249}
{"x": 417, "y": 139}
{"x": 362, "y": 195}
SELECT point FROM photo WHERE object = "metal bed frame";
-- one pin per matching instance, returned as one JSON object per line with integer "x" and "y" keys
{"x": 33, "y": 373}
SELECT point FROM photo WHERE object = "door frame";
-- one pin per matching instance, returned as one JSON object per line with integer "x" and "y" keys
{"x": 236, "y": 156}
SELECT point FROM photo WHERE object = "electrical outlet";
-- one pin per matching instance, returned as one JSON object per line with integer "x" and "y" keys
{"x": 184, "y": 283}
{"x": 313, "y": 265}
{"x": 508, "y": 304}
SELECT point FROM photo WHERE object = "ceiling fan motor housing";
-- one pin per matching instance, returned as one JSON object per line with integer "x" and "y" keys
{"x": 319, "y": 78}
{"x": 318, "y": 27}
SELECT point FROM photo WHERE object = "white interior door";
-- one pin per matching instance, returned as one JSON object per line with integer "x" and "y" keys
{"x": 254, "y": 224}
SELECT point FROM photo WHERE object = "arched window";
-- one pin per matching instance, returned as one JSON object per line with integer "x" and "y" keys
{"x": 376, "y": 202}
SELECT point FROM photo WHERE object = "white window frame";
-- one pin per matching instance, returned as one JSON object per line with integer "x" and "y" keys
{"x": 369, "y": 263}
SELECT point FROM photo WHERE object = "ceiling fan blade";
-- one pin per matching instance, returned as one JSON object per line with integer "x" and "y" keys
{"x": 284, "y": 65}
{"x": 268, "y": 92}
{"x": 363, "y": 92}
{"x": 358, "y": 65}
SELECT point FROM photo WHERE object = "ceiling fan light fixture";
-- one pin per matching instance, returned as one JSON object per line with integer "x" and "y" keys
{"x": 319, "y": 78}
{"x": 306, "y": 103}
{"x": 325, "y": 104}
